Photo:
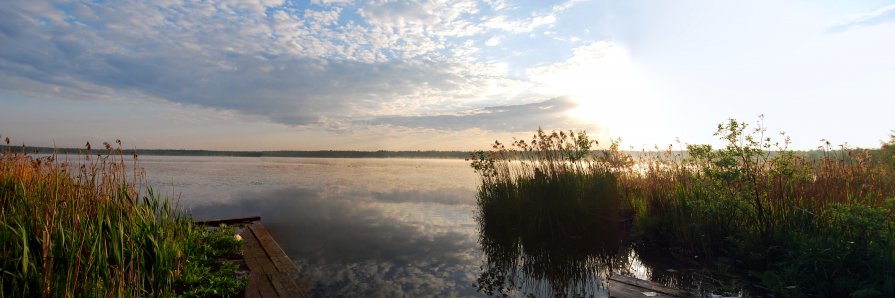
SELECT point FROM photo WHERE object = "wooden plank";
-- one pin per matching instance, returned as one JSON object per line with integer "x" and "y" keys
{"x": 266, "y": 259}
{"x": 620, "y": 290}
{"x": 256, "y": 258}
{"x": 273, "y": 250}
{"x": 228, "y": 221}
{"x": 266, "y": 289}
{"x": 253, "y": 289}
{"x": 259, "y": 265}
{"x": 625, "y": 285}
{"x": 282, "y": 277}
{"x": 281, "y": 285}
{"x": 249, "y": 247}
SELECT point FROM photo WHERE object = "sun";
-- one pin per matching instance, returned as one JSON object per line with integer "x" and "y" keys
{"x": 610, "y": 94}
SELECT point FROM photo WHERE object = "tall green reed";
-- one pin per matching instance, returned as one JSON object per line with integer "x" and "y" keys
{"x": 549, "y": 217}
{"x": 81, "y": 228}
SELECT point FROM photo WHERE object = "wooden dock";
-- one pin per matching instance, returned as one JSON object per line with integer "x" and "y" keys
{"x": 232, "y": 221}
{"x": 621, "y": 286}
{"x": 271, "y": 272}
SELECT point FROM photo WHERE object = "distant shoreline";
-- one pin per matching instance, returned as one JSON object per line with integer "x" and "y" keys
{"x": 431, "y": 154}
{"x": 278, "y": 153}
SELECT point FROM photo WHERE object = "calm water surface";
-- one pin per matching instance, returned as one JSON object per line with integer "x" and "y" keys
{"x": 376, "y": 227}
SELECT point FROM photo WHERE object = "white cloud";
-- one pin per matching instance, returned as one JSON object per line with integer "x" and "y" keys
{"x": 882, "y": 15}
{"x": 255, "y": 57}
{"x": 435, "y": 18}
{"x": 498, "y": 5}
{"x": 253, "y": 6}
{"x": 332, "y": 2}
{"x": 493, "y": 41}
{"x": 538, "y": 20}
{"x": 565, "y": 5}
{"x": 519, "y": 26}
{"x": 549, "y": 114}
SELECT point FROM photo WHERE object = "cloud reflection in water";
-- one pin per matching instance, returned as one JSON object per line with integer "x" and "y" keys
{"x": 353, "y": 243}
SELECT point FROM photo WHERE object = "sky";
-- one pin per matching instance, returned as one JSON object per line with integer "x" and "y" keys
{"x": 441, "y": 74}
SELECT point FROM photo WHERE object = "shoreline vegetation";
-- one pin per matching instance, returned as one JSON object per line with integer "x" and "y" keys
{"x": 552, "y": 209}
{"x": 797, "y": 224}
{"x": 87, "y": 229}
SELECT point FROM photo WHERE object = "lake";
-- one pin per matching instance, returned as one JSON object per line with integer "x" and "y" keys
{"x": 385, "y": 227}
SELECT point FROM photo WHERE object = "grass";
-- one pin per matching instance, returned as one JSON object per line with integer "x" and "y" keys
{"x": 544, "y": 209}
{"x": 74, "y": 229}
{"x": 819, "y": 223}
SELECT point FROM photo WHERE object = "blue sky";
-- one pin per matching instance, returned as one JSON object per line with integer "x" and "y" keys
{"x": 396, "y": 75}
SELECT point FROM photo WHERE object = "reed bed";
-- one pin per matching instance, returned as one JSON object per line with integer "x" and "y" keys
{"x": 548, "y": 217}
{"x": 82, "y": 228}
{"x": 818, "y": 223}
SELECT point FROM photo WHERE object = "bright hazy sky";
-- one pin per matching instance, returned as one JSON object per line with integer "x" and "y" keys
{"x": 440, "y": 74}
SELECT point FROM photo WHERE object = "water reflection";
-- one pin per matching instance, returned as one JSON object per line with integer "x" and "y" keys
{"x": 551, "y": 248}
{"x": 410, "y": 227}
{"x": 351, "y": 244}
{"x": 543, "y": 246}
{"x": 405, "y": 227}
{"x": 355, "y": 227}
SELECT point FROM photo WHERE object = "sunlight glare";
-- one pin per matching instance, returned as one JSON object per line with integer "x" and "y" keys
{"x": 610, "y": 94}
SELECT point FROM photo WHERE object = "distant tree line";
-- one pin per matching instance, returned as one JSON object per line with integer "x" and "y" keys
{"x": 282, "y": 153}
{"x": 886, "y": 152}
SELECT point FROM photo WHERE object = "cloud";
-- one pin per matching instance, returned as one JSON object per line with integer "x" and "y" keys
{"x": 549, "y": 114}
{"x": 295, "y": 91}
{"x": 565, "y": 6}
{"x": 882, "y": 15}
{"x": 493, "y": 41}
{"x": 525, "y": 25}
{"x": 331, "y": 2}
{"x": 429, "y": 23}
{"x": 295, "y": 67}
{"x": 498, "y": 5}
{"x": 329, "y": 64}
{"x": 519, "y": 26}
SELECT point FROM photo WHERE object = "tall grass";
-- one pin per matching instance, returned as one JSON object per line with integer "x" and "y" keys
{"x": 803, "y": 225}
{"x": 549, "y": 219}
{"x": 74, "y": 229}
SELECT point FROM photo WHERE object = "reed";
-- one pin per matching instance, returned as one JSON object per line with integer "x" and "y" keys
{"x": 549, "y": 218}
{"x": 82, "y": 228}
{"x": 802, "y": 224}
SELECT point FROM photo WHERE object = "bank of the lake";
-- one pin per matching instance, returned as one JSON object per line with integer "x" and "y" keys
{"x": 84, "y": 229}
{"x": 433, "y": 227}
{"x": 792, "y": 224}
